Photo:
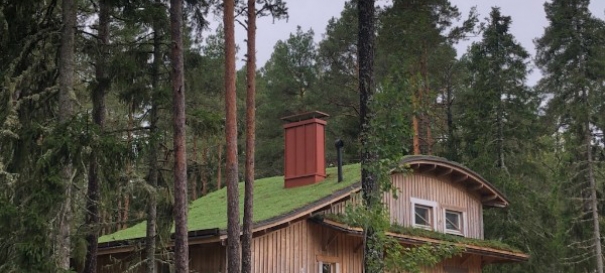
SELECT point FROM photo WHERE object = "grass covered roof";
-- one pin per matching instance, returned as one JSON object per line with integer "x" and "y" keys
{"x": 271, "y": 200}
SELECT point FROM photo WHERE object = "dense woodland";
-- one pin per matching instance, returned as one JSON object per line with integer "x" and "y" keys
{"x": 86, "y": 136}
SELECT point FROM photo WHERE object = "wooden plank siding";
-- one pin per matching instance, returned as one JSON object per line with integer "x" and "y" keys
{"x": 300, "y": 246}
{"x": 441, "y": 190}
{"x": 296, "y": 248}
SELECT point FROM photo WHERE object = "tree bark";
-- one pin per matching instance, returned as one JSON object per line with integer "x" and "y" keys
{"x": 193, "y": 182}
{"x": 594, "y": 201}
{"x": 219, "y": 171}
{"x": 62, "y": 241}
{"x": 250, "y": 139}
{"x": 123, "y": 224}
{"x": 181, "y": 248}
{"x": 98, "y": 116}
{"x": 372, "y": 256}
{"x": 233, "y": 226}
{"x": 151, "y": 236}
{"x": 202, "y": 170}
{"x": 415, "y": 127}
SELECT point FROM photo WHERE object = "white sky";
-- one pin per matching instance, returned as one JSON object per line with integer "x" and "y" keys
{"x": 528, "y": 18}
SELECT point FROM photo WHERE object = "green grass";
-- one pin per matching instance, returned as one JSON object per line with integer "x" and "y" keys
{"x": 271, "y": 199}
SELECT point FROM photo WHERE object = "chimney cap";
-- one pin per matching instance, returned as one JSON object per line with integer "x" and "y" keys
{"x": 305, "y": 116}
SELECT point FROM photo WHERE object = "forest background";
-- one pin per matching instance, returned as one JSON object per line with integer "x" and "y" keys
{"x": 542, "y": 145}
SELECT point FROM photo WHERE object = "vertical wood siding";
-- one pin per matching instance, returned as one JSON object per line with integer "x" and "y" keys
{"x": 440, "y": 190}
{"x": 297, "y": 248}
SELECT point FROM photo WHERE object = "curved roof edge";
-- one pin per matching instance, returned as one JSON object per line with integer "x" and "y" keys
{"x": 490, "y": 195}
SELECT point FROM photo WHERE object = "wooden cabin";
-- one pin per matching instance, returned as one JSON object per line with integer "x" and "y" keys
{"x": 294, "y": 233}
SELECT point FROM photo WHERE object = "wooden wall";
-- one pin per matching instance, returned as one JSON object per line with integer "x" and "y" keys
{"x": 297, "y": 248}
{"x": 206, "y": 258}
{"x": 440, "y": 190}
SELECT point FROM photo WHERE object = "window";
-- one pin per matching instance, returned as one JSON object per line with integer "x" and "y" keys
{"x": 328, "y": 264}
{"x": 328, "y": 267}
{"x": 423, "y": 215}
{"x": 453, "y": 222}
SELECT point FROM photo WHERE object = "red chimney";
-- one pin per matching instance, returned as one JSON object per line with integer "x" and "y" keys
{"x": 304, "y": 162}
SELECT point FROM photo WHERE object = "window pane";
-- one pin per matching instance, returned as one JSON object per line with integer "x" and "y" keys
{"x": 326, "y": 268}
{"x": 452, "y": 220}
{"x": 422, "y": 215}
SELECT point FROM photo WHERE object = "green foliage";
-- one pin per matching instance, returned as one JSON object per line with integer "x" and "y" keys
{"x": 286, "y": 84}
{"x": 570, "y": 54}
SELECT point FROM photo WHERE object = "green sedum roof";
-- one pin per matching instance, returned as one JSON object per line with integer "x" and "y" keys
{"x": 271, "y": 200}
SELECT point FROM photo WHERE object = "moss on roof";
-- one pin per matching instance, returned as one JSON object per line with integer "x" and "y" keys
{"x": 431, "y": 234}
{"x": 419, "y": 232}
{"x": 271, "y": 200}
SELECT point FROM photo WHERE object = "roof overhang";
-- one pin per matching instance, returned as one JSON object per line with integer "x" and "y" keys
{"x": 489, "y": 255}
{"x": 458, "y": 174}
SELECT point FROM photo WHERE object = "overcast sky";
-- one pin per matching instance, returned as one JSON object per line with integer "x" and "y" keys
{"x": 528, "y": 18}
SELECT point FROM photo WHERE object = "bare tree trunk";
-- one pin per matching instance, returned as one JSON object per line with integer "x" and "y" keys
{"x": 594, "y": 202}
{"x": 98, "y": 116}
{"x": 233, "y": 228}
{"x": 151, "y": 236}
{"x": 181, "y": 247}
{"x": 193, "y": 182}
{"x": 62, "y": 241}
{"x": 203, "y": 171}
{"x": 250, "y": 139}
{"x": 219, "y": 171}
{"x": 126, "y": 195}
{"x": 372, "y": 255}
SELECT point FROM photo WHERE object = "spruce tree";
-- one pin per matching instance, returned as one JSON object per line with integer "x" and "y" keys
{"x": 570, "y": 54}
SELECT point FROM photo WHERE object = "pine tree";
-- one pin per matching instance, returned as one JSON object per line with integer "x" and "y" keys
{"x": 181, "y": 251}
{"x": 372, "y": 254}
{"x": 233, "y": 214}
{"x": 250, "y": 138}
{"x": 98, "y": 115}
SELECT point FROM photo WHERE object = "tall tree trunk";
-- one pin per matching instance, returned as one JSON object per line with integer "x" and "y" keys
{"x": 62, "y": 241}
{"x": 233, "y": 228}
{"x": 219, "y": 171}
{"x": 372, "y": 256}
{"x": 203, "y": 170}
{"x": 416, "y": 132}
{"x": 126, "y": 195}
{"x": 594, "y": 202}
{"x": 98, "y": 116}
{"x": 151, "y": 236}
{"x": 181, "y": 248}
{"x": 250, "y": 139}
{"x": 193, "y": 182}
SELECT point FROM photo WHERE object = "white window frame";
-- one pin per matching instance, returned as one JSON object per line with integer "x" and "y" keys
{"x": 425, "y": 203}
{"x": 321, "y": 263}
{"x": 462, "y": 231}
